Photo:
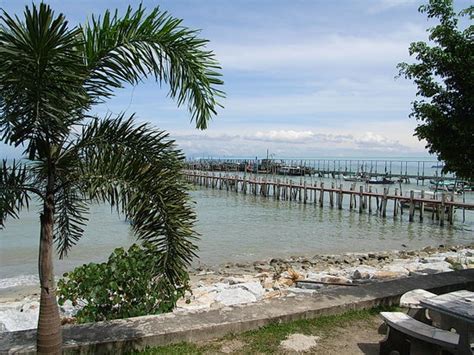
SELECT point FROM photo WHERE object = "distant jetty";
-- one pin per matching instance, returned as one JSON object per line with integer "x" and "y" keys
{"x": 364, "y": 200}
{"x": 391, "y": 170}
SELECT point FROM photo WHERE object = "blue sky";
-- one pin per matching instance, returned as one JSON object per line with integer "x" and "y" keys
{"x": 303, "y": 78}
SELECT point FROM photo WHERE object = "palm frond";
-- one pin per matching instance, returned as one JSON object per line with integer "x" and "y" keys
{"x": 41, "y": 79}
{"x": 15, "y": 189}
{"x": 137, "y": 45}
{"x": 138, "y": 171}
{"x": 70, "y": 217}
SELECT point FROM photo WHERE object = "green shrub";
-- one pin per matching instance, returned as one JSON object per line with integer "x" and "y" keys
{"x": 124, "y": 286}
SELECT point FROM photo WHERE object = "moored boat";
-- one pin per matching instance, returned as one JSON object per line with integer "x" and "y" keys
{"x": 383, "y": 181}
{"x": 447, "y": 186}
{"x": 355, "y": 178}
{"x": 291, "y": 171}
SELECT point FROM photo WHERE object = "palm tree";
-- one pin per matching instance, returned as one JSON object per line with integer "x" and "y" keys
{"x": 51, "y": 75}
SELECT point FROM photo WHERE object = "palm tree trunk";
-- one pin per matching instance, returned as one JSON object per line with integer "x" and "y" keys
{"x": 49, "y": 337}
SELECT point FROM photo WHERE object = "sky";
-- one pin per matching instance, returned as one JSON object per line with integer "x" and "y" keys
{"x": 302, "y": 78}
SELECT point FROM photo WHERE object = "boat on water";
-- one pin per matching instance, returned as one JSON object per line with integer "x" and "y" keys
{"x": 383, "y": 181}
{"x": 355, "y": 178}
{"x": 352, "y": 178}
{"x": 447, "y": 186}
{"x": 291, "y": 170}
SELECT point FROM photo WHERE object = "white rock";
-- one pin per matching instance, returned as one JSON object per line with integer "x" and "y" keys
{"x": 203, "y": 301}
{"x": 397, "y": 268}
{"x": 316, "y": 276}
{"x": 198, "y": 292}
{"x": 68, "y": 309}
{"x": 414, "y": 266}
{"x": 361, "y": 272}
{"x": 429, "y": 268}
{"x": 234, "y": 296}
{"x": 254, "y": 287}
{"x": 451, "y": 254}
{"x": 14, "y": 319}
{"x": 29, "y": 305}
{"x": 436, "y": 267}
{"x": 238, "y": 280}
{"x": 219, "y": 287}
{"x": 432, "y": 259}
{"x": 201, "y": 283}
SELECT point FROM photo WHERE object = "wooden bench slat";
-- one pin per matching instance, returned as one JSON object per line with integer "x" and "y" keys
{"x": 407, "y": 325}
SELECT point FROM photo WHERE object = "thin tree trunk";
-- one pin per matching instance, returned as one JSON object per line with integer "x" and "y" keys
{"x": 49, "y": 337}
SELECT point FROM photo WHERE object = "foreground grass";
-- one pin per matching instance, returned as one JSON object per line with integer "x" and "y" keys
{"x": 267, "y": 339}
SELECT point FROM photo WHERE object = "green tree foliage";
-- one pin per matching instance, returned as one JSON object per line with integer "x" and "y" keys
{"x": 444, "y": 75}
{"x": 125, "y": 286}
{"x": 51, "y": 76}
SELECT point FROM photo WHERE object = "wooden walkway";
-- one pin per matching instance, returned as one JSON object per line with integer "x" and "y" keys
{"x": 390, "y": 169}
{"x": 362, "y": 200}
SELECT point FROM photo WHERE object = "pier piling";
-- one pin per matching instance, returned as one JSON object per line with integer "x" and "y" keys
{"x": 442, "y": 209}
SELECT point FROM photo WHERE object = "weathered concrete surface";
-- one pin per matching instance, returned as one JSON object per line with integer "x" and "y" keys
{"x": 136, "y": 333}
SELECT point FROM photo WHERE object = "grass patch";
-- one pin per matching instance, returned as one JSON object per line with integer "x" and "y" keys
{"x": 267, "y": 339}
{"x": 178, "y": 349}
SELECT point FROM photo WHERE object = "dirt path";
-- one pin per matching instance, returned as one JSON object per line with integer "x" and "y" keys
{"x": 361, "y": 337}
{"x": 356, "y": 337}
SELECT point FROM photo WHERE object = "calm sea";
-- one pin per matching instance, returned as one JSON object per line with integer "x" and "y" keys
{"x": 236, "y": 227}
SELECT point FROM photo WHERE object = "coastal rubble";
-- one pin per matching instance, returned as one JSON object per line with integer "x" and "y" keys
{"x": 242, "y": 283}
{"x": 19, "y": 315}
{"x": 278, "y": 277}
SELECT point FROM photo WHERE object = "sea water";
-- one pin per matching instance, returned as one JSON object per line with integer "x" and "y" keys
{"x": 236, "y": 227}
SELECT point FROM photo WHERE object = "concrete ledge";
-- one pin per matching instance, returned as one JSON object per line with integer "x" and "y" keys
{"x": 120, "y": 336}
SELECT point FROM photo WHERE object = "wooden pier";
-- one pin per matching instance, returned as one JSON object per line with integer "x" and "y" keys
{"x": 361, "y": 200}
{"x": 406, "y": 171}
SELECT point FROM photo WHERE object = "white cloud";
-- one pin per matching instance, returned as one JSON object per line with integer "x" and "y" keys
{"x": 282, "y": 135}
{"x": 343, "y": 95}
{"x": 304, "y": 143}
{"x": 373, "y": 141}
{"x": 373, "y": 138}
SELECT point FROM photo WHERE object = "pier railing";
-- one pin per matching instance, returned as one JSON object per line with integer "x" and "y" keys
{"x": 361, "y": 200}
{"x": 401, "y": 169}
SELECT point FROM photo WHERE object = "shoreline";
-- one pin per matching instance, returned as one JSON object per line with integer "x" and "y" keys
{"x": 204, "y": 271}
{"x": 242, "y": 283}
{"x": 279, "y": 276}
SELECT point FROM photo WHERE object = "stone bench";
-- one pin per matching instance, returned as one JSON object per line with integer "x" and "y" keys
{"x": 411, "y": 301}
{"x": 409, "y": 336}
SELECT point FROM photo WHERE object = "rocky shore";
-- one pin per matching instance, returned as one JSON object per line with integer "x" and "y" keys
{"x": 241, "y": 283}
